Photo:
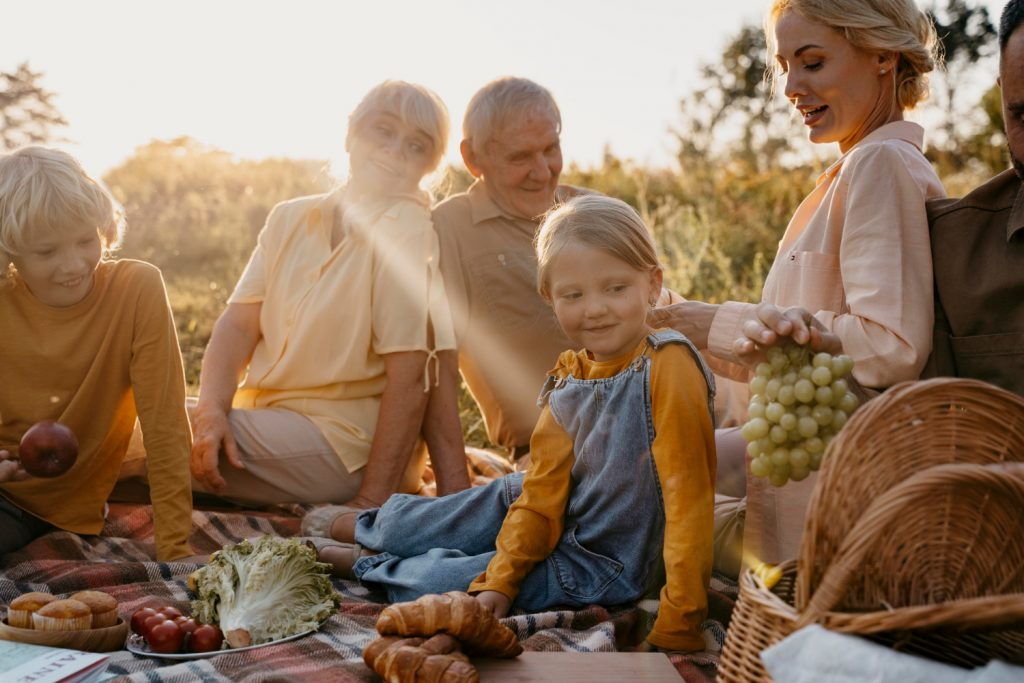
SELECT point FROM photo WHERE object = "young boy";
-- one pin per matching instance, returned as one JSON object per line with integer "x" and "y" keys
{"x": 87, "y": 342}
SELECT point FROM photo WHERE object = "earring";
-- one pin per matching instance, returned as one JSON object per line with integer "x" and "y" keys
{"x": 881, "y": 72}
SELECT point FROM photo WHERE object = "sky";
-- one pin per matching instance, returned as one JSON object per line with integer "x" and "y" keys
{"x": 261, "y": 79}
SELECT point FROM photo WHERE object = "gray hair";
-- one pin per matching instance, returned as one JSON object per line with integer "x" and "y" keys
{"x": 498, "y": 101}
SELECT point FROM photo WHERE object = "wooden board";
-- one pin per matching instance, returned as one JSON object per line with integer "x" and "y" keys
{"x": 635, "y": 667}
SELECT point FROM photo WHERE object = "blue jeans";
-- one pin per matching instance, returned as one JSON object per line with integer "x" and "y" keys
{"x": 434, "y": 545}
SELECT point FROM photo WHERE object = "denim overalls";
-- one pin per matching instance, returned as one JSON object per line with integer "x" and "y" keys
{"x": 614, "y": 519}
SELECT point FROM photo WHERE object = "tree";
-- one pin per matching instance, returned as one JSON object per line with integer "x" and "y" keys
{"x": 967, "y": 36}
{"x": 27, "y": 112}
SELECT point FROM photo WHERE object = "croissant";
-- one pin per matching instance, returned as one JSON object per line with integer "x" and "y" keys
{"x": 455, "y": 613}
{"x": 413, "y": 660}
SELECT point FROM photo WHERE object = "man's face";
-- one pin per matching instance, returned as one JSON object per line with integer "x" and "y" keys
{"x": 520, "y": 165}
{"x": 1011, "y": 78}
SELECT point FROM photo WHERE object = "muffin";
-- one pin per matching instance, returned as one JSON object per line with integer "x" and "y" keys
{"x": 63, "y": 615}
{"x": 21, "y": 609}
{"x": 102, "y": 605}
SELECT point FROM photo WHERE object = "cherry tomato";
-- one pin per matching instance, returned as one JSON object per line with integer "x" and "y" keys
{"x": 205, "y": 638}
{"x": 139, "y": 617}
{"x": 170, "y": 612}
{"x": 186, "y": 624}
{"x": 150, "y": 622}
{"x": 165, "y": 637}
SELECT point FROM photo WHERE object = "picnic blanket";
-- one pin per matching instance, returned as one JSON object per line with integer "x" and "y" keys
{"x": 120, "y": 562}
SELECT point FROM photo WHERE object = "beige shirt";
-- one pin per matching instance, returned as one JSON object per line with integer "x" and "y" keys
{"x": 329, "y": 316}
{"x": 857, "y": 255}
{"x": 490, "y": 272}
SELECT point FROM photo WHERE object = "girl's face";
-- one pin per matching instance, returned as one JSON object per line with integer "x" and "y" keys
{"x": 601, "y": 301}
{"x": 389, "y": 156}
{"x": 58, "y": 267}
{"x": 838, "y": 89}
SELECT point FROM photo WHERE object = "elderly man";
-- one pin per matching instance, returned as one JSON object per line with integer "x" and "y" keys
{"x": 507, "y": 335}
{"x": 978, "y": 249}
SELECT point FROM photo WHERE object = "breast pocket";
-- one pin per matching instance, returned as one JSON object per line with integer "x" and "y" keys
{"x": 506, "y": 282}
{"x": 994, "y": 358}
{"x": 810, "y": 279}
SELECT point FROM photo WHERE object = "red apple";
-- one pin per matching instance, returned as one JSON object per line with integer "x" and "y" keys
{"x": 48, "y": 449}
{"x": 206, "y": 638}
{"x": 152, "y": 621}
{"x": 186, "y": 624}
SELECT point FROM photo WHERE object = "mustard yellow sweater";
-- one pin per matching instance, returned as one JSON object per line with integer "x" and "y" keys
{"x": 93, "y": 366}
{"x": 684, "y": 455}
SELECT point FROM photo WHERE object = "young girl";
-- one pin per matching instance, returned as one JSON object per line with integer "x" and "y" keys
{"x": 87, "y": 342}
{"x": 623, "y": 455}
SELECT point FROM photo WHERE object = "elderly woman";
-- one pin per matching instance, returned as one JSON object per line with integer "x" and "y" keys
{"x": 854, "y": 264}
{"x": 337, "y": 323}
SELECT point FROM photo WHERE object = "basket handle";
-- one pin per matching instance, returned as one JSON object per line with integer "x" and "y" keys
{"x": 1005, "y": 479}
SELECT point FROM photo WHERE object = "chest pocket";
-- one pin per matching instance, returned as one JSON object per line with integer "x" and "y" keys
{"x": 506, "y": 282}
{"x": 810, "y": 279}
{"x": 995, "y": 358}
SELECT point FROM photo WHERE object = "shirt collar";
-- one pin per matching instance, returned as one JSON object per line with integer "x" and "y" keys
{"x": 907, "y": 131}
{"x": 1016, "y": 221}
{"x": 481, "y": 206}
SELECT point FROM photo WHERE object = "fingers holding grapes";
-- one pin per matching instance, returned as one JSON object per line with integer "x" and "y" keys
{"x": 799, "y": 401}
{"x": 772, "y": 326}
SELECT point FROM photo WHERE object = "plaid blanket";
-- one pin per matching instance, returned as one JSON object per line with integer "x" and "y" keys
{"x": 120, "y": 563}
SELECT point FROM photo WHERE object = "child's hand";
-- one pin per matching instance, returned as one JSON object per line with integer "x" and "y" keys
{"x": 10, "y": 468}
{"x": 498, "y": 603}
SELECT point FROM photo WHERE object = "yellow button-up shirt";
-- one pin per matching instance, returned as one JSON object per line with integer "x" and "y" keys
{"x": 328, "y": 316}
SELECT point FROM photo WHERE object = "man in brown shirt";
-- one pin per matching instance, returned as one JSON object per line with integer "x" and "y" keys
{"x": 507, "y": 335}
{"x": 978, "y": 250}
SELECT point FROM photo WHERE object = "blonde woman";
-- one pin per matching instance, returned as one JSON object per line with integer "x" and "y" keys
{"x": 854, "y": 265}
{"x": 336, "y": 324}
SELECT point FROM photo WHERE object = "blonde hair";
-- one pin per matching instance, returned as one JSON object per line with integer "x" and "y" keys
{"x": 500, "y": 100}
{"x": 47, "y": 190}
{"x": 871, "y": 25}
{"x": 415, "y": 104}
{"x": 596, "y": 221}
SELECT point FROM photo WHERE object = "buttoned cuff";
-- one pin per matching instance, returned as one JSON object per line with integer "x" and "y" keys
{"x": 727, "y": 327}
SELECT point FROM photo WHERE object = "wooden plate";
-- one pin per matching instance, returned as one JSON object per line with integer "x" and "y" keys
{"x": 91, "y": 640}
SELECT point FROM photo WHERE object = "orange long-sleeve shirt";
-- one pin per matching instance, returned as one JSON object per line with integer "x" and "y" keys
{"x": 684, "y": 455}
{"x": 93, "y": 366}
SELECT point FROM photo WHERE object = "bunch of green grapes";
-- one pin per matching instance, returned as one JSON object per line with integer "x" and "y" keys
{"x": 799, "y": 400}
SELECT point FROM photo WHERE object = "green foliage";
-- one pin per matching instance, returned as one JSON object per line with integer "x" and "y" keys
{"x": 195, "y": 212}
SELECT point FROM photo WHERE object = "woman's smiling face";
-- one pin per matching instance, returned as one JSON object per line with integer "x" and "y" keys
{"x": 839, "y": 90}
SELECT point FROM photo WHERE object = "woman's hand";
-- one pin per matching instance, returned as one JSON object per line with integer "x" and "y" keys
{"x": 691, "y": 318}
{"x": 10, "y": 468}
{"x": 772, "y": 324}
{"x": 211, "y": 433}
{"x": 498, "y": 603}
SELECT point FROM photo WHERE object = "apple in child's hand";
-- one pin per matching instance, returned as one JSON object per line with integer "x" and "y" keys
{"x": 205, "y": 638}
{"x": 166, "y": 637}
{"x": 48, "y": 449}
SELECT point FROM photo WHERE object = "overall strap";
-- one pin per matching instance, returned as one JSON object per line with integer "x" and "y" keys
{"x": 660, "y": 338}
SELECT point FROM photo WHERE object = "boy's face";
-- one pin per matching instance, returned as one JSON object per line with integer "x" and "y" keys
{"x": 600, "y": 301}
{"x": 58, "y": 267}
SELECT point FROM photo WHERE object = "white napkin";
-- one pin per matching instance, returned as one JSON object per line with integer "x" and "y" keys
{"x": 815, "y": 654}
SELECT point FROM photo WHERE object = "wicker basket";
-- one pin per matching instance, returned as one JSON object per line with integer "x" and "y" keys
{"x": 923, "y": 555}
{"x": 913, "y": 426}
